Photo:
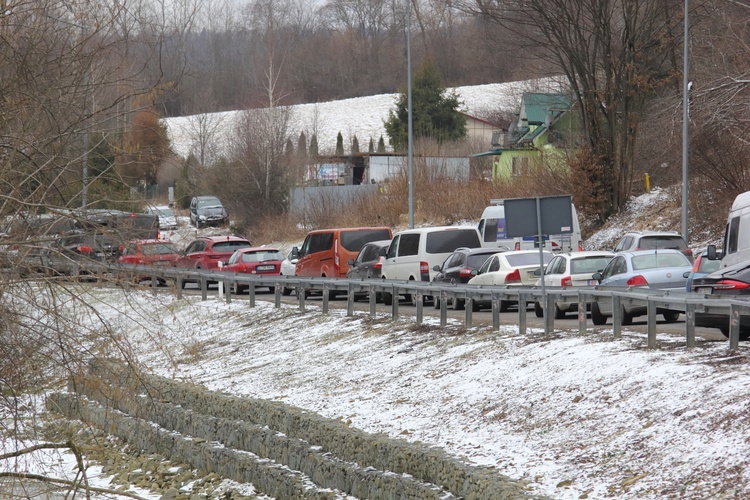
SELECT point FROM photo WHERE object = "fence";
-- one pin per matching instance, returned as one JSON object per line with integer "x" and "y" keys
{"x": 688, "y": 303}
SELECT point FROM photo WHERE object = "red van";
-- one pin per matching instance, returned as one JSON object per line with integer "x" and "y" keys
{"x": 326, "y": 252}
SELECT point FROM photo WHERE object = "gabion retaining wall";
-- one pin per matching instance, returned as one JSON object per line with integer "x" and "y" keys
{"x": 328, "y": 451}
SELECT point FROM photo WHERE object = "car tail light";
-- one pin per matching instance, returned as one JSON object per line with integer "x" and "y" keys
{"x": 513, "y": 277}
{"x": 566, "y": 281}
{"x": 731, "y": 285}
{"x": 554, "y": 244}
{"x": 517, "y": 245}
{"x": 580, "y": 248}
{"x": 378, "y": 264}
{"x": 688, "y": 253}
{"x": 465, "y": 272}
{"x": 424, "y": 271}
{"x": 637, "y": 280}
{"x": 84, "y": 249}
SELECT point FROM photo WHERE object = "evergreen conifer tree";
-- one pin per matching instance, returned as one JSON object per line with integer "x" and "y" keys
{"x": 355, "y": 145}
{"x": 381, "y": 145}
{"x": 434, "y": 111}
{"x": 371, "y": 146}
{"x": 302, "y": 144}
{"x": 314, "y": 146}
{"x": 340, "y": 144}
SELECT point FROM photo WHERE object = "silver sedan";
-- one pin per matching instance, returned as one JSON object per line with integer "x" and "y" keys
{"x": 655, "y": 269}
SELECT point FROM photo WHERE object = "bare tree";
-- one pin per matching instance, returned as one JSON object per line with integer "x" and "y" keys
{"x": 615, "y": 54}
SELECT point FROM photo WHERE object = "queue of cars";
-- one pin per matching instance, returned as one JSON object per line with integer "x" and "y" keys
{"x": 443, "y": 255}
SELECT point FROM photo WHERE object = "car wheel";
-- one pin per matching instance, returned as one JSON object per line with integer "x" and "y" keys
{"x": 286, "y": 291}
{"x": 436, "y": 302}
{"x": 627, "y": 319}
{"x": 475, "y": 306}
{"x": 671, "y": 316}
{"x": 538, "y": 310}
{"x": 559, "y": 313}
{"x": 387, "y": 298}
{"x": 596, "y": 315}
{"x": 504, "y": 306}
{"x": 459, "y": 304}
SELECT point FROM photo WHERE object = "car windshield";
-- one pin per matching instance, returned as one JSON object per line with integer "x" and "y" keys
{"x": 229, "y": 246}
{"x": 262, "y": 256}
{"x": 527, "y": 259}
{"x": 448, "y": 240}
{"x": 353, "y": 241}
{"x": 209, "y": 203}
{"x": 475, "y": 261}
{"x": 588, "y": 265}
{"x": 659, "y": 260}
{"x": 158, "y": 249}
{"x": 662, "y": 242}
{"x": 164, "y": 212}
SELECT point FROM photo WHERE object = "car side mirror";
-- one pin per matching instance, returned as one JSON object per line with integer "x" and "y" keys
{"x": 295, "y": 253}
{"x": 436, "y": 268}
{"x": 474, "y": 272}
{"x": 597, "y": 276}
{"x": 350, "y": 262}
{"x": 686, "y": 274}
{"x": 711, "y": 252}
{"x": 294, "y": 261}
{"x": 537, "y": 272}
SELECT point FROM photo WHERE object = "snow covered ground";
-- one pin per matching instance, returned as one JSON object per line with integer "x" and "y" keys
{"x": 360, "y": 116}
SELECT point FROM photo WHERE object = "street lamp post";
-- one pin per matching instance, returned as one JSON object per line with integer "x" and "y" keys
{"x": 408, "y": 105}
{"x": 685, "y": 104}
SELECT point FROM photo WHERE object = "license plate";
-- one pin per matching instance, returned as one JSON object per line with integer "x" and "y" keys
{"x": 161, "y": 263}
{"x": 704, "y": 290}
{"x": 266, "y": 268}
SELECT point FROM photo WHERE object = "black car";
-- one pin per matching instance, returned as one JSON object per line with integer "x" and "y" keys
{"x": 460, "y": 267}
{"x": 369, "y": 261}
{"x": 729, "y": 281}
{"x": 73, "y": 253}
{"x": 207, "y": 211}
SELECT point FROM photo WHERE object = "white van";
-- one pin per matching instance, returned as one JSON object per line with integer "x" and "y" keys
{"x": 492, "y": 231}
{"x": 737, "y": 232}
{"x": 414, "y": 252}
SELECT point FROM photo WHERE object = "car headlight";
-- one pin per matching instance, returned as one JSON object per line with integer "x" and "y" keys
{"x": 201, "y": 217}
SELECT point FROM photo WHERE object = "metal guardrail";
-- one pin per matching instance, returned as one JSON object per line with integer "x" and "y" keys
{"x": 684, "y": 302}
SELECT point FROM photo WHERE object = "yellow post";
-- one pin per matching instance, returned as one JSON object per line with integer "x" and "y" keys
{"x": 647, "y": 182}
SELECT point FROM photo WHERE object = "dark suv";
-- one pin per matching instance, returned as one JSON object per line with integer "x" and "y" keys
{"x": 207, "y": 211}
{"x": 460, "y": 267}
{"x": 653, "y": 240}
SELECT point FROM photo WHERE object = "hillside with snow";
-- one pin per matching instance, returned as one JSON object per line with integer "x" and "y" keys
{"x": 360, "y": 116}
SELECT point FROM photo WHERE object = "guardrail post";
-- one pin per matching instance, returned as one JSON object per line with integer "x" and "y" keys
{"x": 204, "y": 288}
{"x": 350, "y": 300}
{"x": 443, "y": 308}
{"x": 373, "y": 299}
{"x": 420, "y": 307}
{"x": 617, "y": 316}
{"x": 690, "y": 325}
{"x": 394, "y": 304}
{"x": 178, "y": 287}
{"x": 495, "y": 312}
{"x": 582, "y": 313}
{"x": 734, "y": 327}
{"x": 468, "y": 313}
{"x": 100, "y": 278}
{"x": 251, "y": 295}
{"x": 521, "y": 313}
{"x": 651, "y": 308}
{"x": 228, "y": 289}
{"x": 549, "y": 314}
{"x": 154, "y": 283}
{"x": 277, "y": 295}
{"x": 301, "y": 296}
{"x": 326, "y": 297}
